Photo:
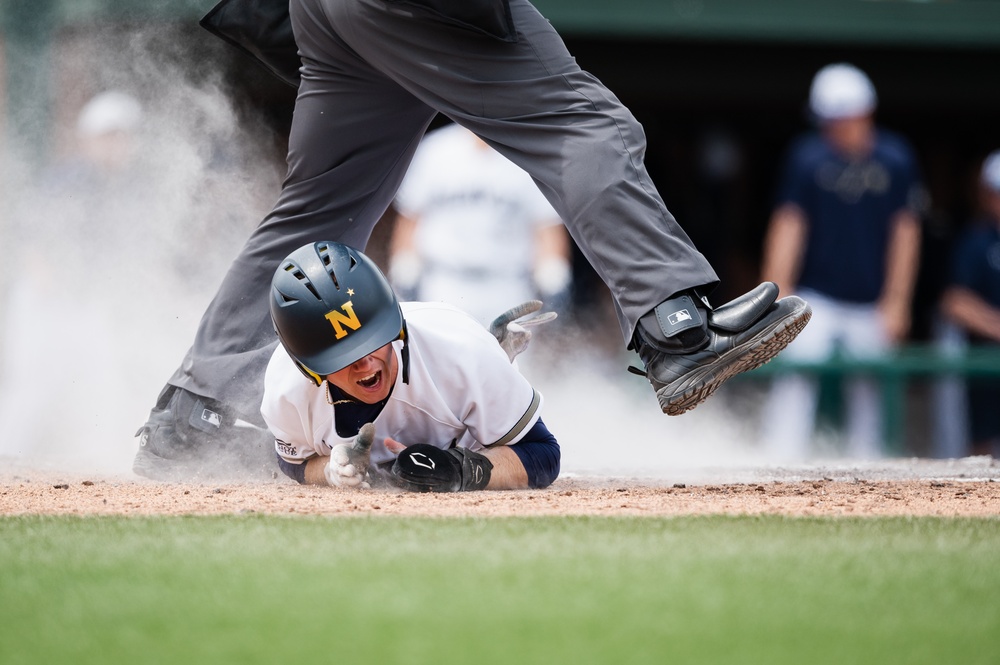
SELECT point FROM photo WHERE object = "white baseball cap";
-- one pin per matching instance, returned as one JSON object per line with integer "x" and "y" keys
{"x": 108, "y": 112}
{"x": 841, "y": 91}
{"x": 990, "y": 175}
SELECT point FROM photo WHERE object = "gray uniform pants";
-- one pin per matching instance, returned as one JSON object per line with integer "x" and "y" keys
{"x": 374, "y": 74}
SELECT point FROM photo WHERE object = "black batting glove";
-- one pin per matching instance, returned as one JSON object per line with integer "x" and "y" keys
{"x": 425, "y": 468}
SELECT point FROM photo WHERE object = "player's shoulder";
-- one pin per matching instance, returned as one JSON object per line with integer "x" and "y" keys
{"x": 894, "y": 147}
{"x": 446, "y": 328}
{"x": 440, "y": 151}
{"x": 439, "y": 315}
{"x": 449, "y": 136}
{"x": 282, "y": 377}
{"x": 289, "y": 399}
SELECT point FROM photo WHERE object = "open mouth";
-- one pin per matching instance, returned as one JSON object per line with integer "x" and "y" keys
{"x": 371, "y": 381}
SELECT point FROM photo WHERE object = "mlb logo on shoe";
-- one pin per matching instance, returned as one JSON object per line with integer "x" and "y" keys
{"x": 212, "y": 418}
{"x": 678, "y": 317}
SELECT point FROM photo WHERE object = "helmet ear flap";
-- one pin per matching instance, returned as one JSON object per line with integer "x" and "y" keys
{"x": 309, "y": 374}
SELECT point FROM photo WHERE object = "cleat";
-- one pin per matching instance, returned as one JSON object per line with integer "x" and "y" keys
{"x": 188, "y": 438}
{"x": 741, "y": 336}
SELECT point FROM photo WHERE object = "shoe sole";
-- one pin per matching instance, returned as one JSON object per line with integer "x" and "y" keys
{"x": 749, "y": 356}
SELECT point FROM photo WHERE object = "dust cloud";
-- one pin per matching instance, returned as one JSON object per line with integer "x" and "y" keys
{"x": 114, "y": 237}
{"x": 608, "y": 421}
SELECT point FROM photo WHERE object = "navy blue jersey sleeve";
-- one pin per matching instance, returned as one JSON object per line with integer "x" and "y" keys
{"x": 793, "y": 185}
{"x": 906, "y": 189}
{"x": 296, "y": 472}
{"x": 976, "y": 262}
{"x": 539, "y": 454}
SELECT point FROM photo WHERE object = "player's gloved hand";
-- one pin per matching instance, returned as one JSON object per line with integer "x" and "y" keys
{"x": 511, "y": 328}
{"x": 425, "y": 468}
{"x": 348, "y": 465}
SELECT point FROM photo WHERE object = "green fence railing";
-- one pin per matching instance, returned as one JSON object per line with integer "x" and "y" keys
{"x": 893, "y": 372}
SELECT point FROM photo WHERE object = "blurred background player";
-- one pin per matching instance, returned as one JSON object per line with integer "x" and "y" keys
{"x": 474, "y": 231}
{"x": 972, "y": 302}
{"x": 449, "y": 409}
{"x": 106, "y": 129}
{"x": 845, "y": 236}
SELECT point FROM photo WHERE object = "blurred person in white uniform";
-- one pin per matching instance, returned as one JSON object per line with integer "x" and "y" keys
{"x": 474, "y": 231}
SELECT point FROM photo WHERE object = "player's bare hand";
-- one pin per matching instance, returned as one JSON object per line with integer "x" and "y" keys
{"x": 895, "y": 319}
{"x": 348, "y": 465}
{"x": 511, "y": 327}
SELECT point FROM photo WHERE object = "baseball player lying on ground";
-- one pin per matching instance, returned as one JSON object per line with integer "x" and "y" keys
{"x": 364, "y": 390}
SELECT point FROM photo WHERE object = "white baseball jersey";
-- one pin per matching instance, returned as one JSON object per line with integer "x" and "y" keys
{"x": 462, "y": 387}
{"x": 477, "y": 215}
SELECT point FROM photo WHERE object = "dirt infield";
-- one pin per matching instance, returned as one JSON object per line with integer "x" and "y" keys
{"x": 968, "y": 487}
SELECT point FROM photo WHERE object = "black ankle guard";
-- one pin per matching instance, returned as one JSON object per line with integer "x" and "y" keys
{"x": 677, "y": 325}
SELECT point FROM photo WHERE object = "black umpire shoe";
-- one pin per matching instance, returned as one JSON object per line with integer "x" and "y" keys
{"x": 690, "y": 350}
{"x": 191, "y": 438}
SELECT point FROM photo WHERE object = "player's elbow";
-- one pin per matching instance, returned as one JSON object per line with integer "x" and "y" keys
{"x": 540, "y": 455}
{"x": 547, "y": 473}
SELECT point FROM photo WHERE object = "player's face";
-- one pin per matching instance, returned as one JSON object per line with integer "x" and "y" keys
{"x": 370, "y": 379}
{"x": 852, "y": 136}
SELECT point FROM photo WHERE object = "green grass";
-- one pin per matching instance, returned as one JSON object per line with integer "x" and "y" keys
{"x": 255, "y": 589}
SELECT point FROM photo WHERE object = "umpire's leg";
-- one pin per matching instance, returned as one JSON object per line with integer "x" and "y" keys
{"x": 533, "y": 103}
{"x": 353, "y": 135}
